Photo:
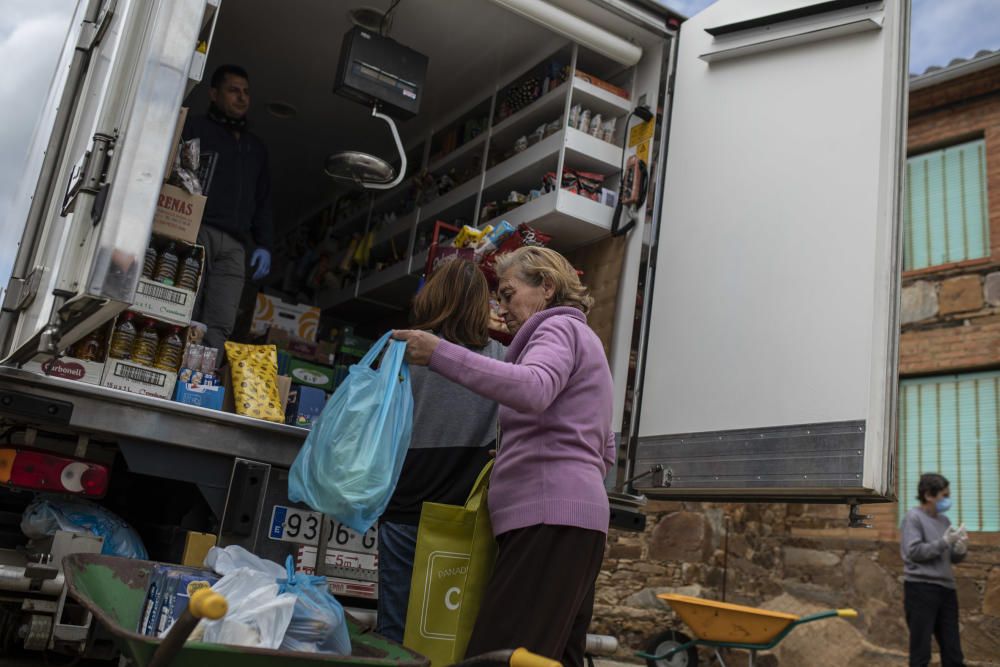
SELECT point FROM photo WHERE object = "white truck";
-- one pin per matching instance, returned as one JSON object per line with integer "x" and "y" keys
{"x": 753, "y": 321}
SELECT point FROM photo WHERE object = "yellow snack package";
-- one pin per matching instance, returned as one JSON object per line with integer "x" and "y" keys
{"x": 255, "y": 381}
{"x": 468, "y": 236}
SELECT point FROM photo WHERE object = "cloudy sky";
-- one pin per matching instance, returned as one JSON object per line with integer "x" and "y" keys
{"x": 32, "y": 33}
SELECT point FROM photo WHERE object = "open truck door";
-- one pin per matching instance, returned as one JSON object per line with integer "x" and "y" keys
{"x": 95, "y": 167}
{"x": 768, "y": 356}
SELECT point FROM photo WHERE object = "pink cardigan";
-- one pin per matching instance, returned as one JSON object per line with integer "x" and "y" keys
{"x": 555, "y": 398}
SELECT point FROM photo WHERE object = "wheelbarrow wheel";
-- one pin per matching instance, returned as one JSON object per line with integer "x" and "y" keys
{"x": 666, "y": 641}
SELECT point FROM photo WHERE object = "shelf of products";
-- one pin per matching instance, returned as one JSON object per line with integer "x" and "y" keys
{"x": 398, "y": 227}
{"x": 446, "y": 161}
{"x": 526, "y": 169}
{"x": 522, "y": 153}
{"x": 450, "y": 201}
{"x": 541, "y": 111}
{"x": 588, "y": 153}
{"x": 572, "y": 220}
{"x": 599, "y": 100}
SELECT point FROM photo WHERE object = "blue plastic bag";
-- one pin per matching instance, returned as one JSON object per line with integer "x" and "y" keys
{"x": 46, "y": 515}
{"x": 352, "y": 457}
{"x": 318, "y": 623}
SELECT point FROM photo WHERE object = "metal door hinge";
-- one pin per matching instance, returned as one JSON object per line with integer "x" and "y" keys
{"x": 21, "y": 291}
{"x": 90, "y": 174}
{"x": 92, "y": 32}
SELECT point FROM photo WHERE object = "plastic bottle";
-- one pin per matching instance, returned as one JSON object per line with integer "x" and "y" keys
{"x": 149, "y": 264}
{"x": 170, "y": 351}
{"x": 166, "y": 265}
{"x": 187, "y": 274}
{"x": 123, "y": 337}
{"x": 146, "y": 343}
{"x": 88, "y": 349}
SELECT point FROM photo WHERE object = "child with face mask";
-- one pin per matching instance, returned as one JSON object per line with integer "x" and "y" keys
{"x": 929, "y": 547}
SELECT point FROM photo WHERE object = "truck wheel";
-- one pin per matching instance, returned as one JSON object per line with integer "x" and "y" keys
{"x": 666, "y": 641}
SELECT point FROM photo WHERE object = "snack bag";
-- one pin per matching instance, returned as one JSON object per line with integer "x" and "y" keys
{"x": 255, "y": 381}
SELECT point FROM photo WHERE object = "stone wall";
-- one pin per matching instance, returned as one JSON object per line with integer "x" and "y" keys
{"x": 790, "y": 558}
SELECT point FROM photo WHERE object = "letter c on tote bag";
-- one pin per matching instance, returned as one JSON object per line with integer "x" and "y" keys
{"x": 453, "y": 562}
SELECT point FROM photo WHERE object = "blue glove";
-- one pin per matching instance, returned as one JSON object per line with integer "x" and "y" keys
{"x": 260, "y": 262}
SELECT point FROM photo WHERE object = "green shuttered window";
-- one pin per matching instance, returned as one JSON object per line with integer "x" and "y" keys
{"x": 948, "y": 424}
{"x": 945, "y": 214}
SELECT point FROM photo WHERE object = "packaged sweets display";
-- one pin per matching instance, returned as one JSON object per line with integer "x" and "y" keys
{"x": 255, "y": 381}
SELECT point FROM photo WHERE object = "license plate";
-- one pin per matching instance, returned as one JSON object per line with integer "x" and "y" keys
{"x": 290, "y": 524}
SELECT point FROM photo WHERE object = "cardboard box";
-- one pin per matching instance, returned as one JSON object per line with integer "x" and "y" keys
{"x": 167, "y": 302}
{"x": 175, "y": 146}
{"x": 320, "y": 353}
{"x": 298, "y": 320}
{"x": 138, "y": 379}
{"x": 202, "y": 396}
{"x": 311, "y": 375}
{"x": 178, "y": 214}
{"x": 68, "y": 368}
{"x": 196, "y": 546}
{"x": 169, "y": 592}
{"x": 304, "y": 406}
{"x": 163, "y": 302}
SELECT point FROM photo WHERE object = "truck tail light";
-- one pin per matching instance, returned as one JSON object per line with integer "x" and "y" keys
{"x": 40, "y": 471}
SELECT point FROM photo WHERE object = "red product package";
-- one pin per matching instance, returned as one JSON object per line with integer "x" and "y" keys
{"x": 524, "y": 236}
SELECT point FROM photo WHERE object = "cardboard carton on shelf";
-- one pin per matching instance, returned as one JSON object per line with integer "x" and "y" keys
{"x": 321, "y": 352}
{"x": 129, "y": 376}
{"x": 201, "y": 395}
{"x": 168, "y": 302}
{"x": 311, "y": 375}
{"x": 178, "y": 214}
{"x": 305, "y": 404}
{"x": 68, "y": 368}
{"x": 299, "y": 320}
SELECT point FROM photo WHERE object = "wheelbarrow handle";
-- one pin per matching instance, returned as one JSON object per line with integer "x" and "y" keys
{"x": 204, "y": 603}
{"x": 521, "y": 657}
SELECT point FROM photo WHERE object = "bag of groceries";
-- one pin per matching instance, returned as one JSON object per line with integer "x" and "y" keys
{"x": 352, "y": 457}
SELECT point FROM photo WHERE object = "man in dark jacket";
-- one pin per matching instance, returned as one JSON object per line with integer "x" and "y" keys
{"x": 236, "y": 179}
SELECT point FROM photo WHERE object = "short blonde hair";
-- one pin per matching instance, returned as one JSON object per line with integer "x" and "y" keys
{"x": 536, "y": 265}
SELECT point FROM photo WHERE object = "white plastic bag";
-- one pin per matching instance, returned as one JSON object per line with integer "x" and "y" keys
{"x": 224, "y": 561}
{"x": 258, "y": 615}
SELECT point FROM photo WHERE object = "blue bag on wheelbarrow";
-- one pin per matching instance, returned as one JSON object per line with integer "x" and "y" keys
{"x": 351, "y": 460}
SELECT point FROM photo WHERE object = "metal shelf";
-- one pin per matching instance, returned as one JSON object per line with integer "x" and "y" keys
{"x": 587, "y": 153}
{"x": 447, "y": 160}
{"x": 572, "y": 220}
{"x": 599, "y": 100}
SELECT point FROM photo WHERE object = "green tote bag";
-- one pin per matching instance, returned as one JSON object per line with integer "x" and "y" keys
{"x": 451, "y": 567}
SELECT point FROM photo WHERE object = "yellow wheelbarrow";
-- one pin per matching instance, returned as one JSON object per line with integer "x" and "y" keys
{"x": 719, "y": 625}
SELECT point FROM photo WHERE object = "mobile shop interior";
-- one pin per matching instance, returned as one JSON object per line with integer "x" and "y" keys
{"x": 509, "y": 112}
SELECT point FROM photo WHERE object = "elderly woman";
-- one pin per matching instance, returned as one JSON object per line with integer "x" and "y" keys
{"x": 547, "y": 498}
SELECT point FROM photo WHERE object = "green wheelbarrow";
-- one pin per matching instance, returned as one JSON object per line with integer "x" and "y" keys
{"x": 719, "y": 625}
{"x": 114, "y": 590}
